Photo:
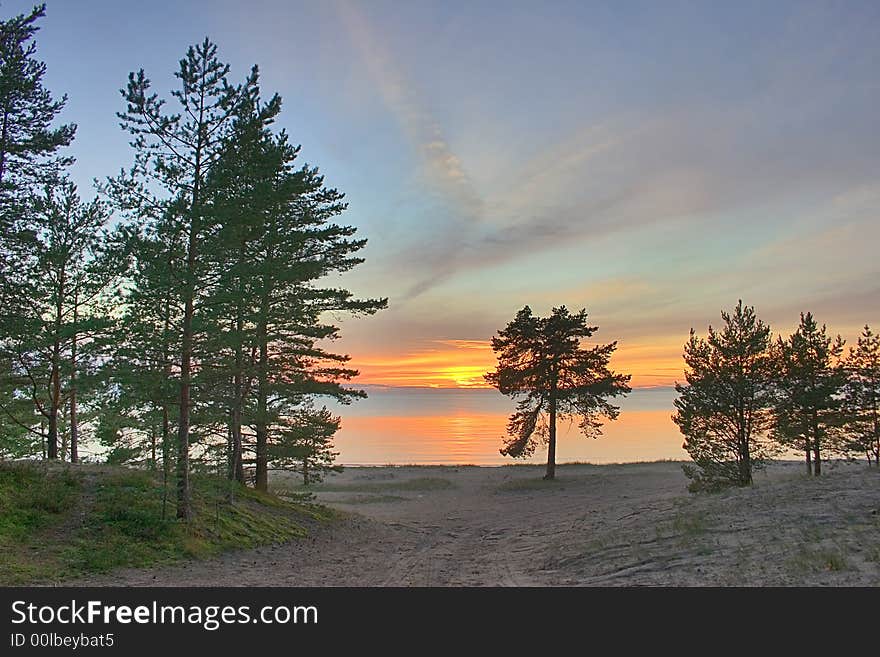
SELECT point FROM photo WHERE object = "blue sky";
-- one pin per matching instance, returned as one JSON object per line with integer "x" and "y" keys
{"x": 653, "y": 162}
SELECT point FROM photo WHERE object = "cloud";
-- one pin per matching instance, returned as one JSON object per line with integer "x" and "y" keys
{"x": 794, "y": 132}
{"x": 443, "y": 169}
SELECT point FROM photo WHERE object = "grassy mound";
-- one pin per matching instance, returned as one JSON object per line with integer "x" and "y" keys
{"x": 59, "y": 521}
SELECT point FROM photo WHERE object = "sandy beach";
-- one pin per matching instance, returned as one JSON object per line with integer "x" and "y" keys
{"x": 612, "y": 525}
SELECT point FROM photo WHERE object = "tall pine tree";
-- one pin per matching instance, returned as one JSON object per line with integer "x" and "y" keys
{"x": 275, "y": 245}
{"x": 175, "y": 152}
{"x": 29, "y": 157}
{"x": 810, "y": 377}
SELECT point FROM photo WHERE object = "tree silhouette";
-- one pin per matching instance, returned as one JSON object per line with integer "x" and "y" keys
{"x": 542, "y": 362}
{"x": 304, "y": 443}
{"x": 724, "y": 408}
{"x": 862, "y": 396}
{"x": 809, "y": 378}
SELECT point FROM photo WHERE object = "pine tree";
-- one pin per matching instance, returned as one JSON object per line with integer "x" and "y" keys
{"x": 238, "y": 189}
{"x": 278, "y": 242}
{"x": 176, "y": 153}
{"x": 17, "y": 439}
{"x": 141, "y": 391}
{"x": 542, "y": 361}
{"x": 28, "y": 142}
{"x": 810, "y": 377}
{"x": 29, "y": 157}
{"x": 304, "y": 443}
{"x": 862, "y": 397}
{"x": 724, "y": 407}
{"x": 65, "y": 277}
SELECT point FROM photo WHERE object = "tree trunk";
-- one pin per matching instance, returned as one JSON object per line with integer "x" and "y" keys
{"x": 163, "y": 399}
{"x": 745, "y": 473}
{"x": 817, "y": 458}
{"x": 184, "y": 506}
{"x": 74, "y": 422}
{"x": 55, "y": 372}
{"x": 875, "y": 423}
{"x": 153, "y": 462}
{"x": 807, "y": 451}
{"x": 166, "y": 464}
{"x": 184, "y": 510}
{"x": 55, "y": 402}
{"x": 236, "y": 466}
{"x": 262, "y": 423}
{"x": 52, "y": 436}
{"x": 745, "y": 460}
{"x": 551, "y": 449}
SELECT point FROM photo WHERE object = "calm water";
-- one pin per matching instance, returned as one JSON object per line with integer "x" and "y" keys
{"x": 438, "y": 426}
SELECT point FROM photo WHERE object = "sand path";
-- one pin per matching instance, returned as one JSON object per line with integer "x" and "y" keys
{"x": 596, "y": 525}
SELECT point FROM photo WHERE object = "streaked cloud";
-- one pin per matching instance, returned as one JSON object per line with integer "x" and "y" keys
{"x": 442, "y": 168}
{"x": 653, "y": 165}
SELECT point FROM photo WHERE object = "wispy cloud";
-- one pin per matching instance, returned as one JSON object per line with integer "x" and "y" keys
{"x": 443, "y": 168}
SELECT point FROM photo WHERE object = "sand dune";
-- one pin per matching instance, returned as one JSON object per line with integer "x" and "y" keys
{"x": 613, "y": 525}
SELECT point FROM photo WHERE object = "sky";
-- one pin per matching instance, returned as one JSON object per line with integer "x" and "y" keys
{"x": 650, "y": 162}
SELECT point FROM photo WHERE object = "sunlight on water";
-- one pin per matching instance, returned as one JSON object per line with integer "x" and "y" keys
{"x": 425, "y": 426}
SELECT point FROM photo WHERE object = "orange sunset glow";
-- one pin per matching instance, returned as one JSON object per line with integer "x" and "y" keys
{"x": 467, "y": 436}
{"x": 463, "y": 363}
{"x": 442, "y": 364}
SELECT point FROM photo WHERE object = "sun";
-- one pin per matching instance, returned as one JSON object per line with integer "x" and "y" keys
{"x": 464, "y": 376}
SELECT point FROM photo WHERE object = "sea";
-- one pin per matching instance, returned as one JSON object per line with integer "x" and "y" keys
{"x": 444, "y": 426}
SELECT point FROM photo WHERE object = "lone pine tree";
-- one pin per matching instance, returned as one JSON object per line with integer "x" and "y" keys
{"x": 543, "y": 363}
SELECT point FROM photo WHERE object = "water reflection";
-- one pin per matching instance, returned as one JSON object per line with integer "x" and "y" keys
{"x": 424, "y": 426}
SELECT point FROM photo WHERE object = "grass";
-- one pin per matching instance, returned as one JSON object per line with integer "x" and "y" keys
{"x": 691, "y": 524}
{"x": 30, "y": 500}
{"x": 818, "y": 560}
{"x": 62, "y": 522}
